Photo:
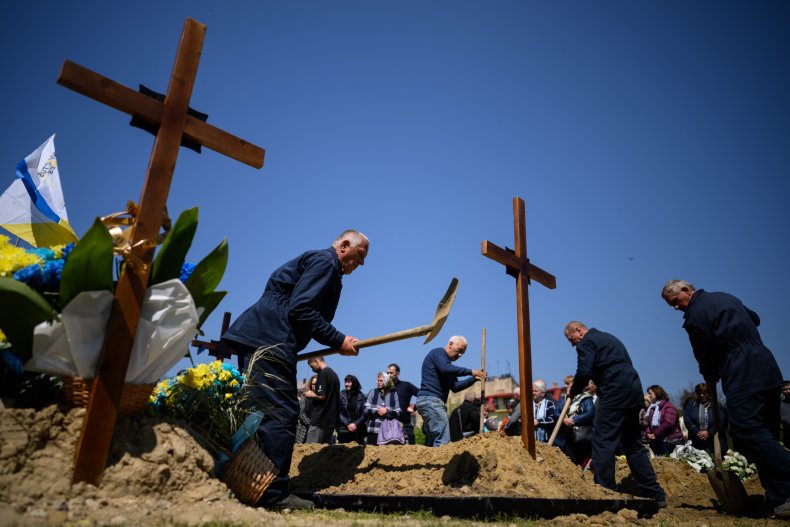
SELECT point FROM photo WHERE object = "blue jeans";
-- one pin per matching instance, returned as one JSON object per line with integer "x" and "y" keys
{"x": 434, "y": 413}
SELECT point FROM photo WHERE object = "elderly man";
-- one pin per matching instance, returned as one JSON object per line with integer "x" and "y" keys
{"x": 604, "y": 359}
{"x": 727, "y": 346}
{"x": 542, "y": 408}
{"x": 297, "y": 305}
{"x": 439, "y": 376}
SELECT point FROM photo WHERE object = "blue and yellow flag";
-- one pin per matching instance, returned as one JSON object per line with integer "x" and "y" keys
{"x": 33, "y": 207}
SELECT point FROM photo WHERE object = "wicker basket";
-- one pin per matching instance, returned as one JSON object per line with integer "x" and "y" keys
{"x": 249, "y": 473}
{"x": 134, "y": 397}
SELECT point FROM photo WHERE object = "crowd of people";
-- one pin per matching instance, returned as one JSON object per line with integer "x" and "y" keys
{"x": 608, "y": 411}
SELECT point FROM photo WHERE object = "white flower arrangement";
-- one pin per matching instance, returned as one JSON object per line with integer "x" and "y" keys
{"x": 738, "y": 465}
{"x": 699, "y": 460}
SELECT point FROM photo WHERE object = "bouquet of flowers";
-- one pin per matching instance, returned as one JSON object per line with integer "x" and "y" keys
{"x": 55, "y": 302}
{"x": 738, "y": 465}
{"x": 699, "y": 460}
{"x": 209, "y": 397}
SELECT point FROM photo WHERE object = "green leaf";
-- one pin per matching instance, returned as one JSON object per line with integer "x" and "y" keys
{"x": 170, "y": 258}
{"x": 89, "y": 266}
{"x": 208, "y": 273}
{"x": 21, "y": 310}
{"x": 205, "y": 279}
{"x": 210, "y": 302}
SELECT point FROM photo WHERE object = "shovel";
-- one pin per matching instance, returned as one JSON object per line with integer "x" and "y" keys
{"x": 727, "y": 485}
{"x": 560, "y": 419}
{"x": 432, "y": 329}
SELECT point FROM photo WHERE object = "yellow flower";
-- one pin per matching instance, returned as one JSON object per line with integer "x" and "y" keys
{"x": 228, "y": 395}
{"x": 233, "y": 383}
{"x": 224, "y": 375}
{"x": 14, "y": 258}
{"x": 2, "y": 336}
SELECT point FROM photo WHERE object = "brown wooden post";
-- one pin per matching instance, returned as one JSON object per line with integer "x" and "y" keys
{"x": 518, "y": 265}
{"x": 174, "y": 123}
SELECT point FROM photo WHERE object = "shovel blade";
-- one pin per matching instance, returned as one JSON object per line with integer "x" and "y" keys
{"x": 729, "y": 491}
{"x": 443, "y": 310}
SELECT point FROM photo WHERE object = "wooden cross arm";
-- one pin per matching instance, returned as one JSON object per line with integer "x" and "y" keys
{"x": 508, "y": 259}
{"x": 111, "y": 93}
{"x": 211, "y": 346}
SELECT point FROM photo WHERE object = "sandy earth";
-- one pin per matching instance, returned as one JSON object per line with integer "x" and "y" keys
{"x": 158, "y": 474}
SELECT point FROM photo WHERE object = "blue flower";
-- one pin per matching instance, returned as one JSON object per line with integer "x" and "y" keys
{"x": 50, "y": 275}
{"x": 186, "y": 271}
{"x": 66, "y": 251}
{"x": 31, "y": 275}
{"x": 44, "y": 253}
{"x": 13, "y": 362}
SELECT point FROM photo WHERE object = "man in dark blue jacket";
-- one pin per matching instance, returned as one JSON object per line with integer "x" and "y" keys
{"x": 604, "y": 359}
{"x": 439, "y": 376}
{"x": 405, "y": 391}
{"x": 297, "y": 305}
{"x": 727, "y": 345}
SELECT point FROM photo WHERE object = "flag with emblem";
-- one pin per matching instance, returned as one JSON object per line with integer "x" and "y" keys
{"x": 33, "y": 207}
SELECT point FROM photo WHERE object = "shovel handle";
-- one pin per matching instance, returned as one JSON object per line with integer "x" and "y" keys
{"x": 483, "y": 401}
{"x": 560, "y": 419}
{"x": 375, "y": 341}
{"x": 714, "y": 406}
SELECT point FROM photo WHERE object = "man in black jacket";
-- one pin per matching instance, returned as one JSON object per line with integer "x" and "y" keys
{"x": 405, "y": 391}
{"x": 604, "y": 359}
{"x": 465, "y": 420}
{"x": 727, "y": 345}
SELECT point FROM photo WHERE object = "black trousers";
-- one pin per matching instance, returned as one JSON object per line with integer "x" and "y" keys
{"x": 754, "y": 428}
{"x": 272, "y": 387}
{"x": 620, "y": 427}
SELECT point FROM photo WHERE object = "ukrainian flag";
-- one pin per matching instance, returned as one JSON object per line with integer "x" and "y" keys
{"x": 33, "y": 207}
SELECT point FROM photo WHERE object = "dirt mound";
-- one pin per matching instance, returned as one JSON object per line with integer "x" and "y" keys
{"x": 483, "y": 465}
{"x": 156, "y": 470}
{"x": 159, "y": 474}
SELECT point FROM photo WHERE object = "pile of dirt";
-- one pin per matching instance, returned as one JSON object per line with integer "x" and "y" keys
{"x": 483, "y": 465}
{"x": 159, "y": 474}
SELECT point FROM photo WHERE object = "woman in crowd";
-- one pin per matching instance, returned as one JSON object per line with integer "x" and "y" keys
{"x": 698, "y": 417}
{"x": 352, "y": 413}
{"x": 663, "y": 427}
{"x": 381, "y": 404}
{"x": 303, "y": 422}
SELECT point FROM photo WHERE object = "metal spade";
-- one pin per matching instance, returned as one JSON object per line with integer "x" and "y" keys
{"x": 727, "y": 486}
{"x": 432, "y": 329}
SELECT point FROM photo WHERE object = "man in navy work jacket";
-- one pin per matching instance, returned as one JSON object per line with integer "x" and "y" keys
{"x": 604, "y": 359}
{"x": 727, "y": 346}
{"x": 297, "y": 305}
{"x": 439, "y": 376}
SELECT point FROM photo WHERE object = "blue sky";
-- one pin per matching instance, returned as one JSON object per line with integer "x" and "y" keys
{"x": 648, "y": 140}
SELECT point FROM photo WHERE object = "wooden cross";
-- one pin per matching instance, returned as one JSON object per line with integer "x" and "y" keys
{"x": 170, "y": 116}
{"x": 216, "y": 348}
{"x": 517, "y": 264}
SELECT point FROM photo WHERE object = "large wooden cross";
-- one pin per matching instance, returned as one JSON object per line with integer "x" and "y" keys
{"x": 170, "y": 116}
{"x": 518, "y": 265}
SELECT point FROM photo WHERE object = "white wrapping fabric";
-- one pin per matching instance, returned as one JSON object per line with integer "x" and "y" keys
{"x": 71, "y": 345}
{"x": 85, "y": 321}
{"x": 168, "y": 322}
{"x": 51, "y": 350}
